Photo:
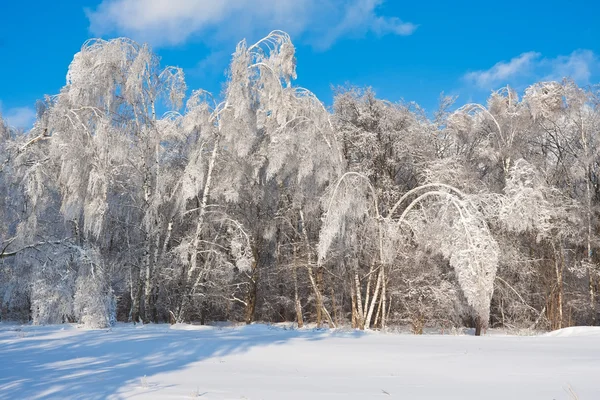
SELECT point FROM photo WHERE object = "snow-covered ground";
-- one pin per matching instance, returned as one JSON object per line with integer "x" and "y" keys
{"x": 261, "y": 362}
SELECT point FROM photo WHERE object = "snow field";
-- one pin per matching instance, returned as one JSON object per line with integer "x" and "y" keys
{"x": 262, "y": 362}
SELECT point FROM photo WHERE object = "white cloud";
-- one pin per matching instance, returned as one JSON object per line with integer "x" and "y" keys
{"x": 359, "y": 18}
{"x": 173, "y": 22}
{"x": 580, "y": 66}
{"x": 19, "y": 117}
{"x": 503, "y": 71}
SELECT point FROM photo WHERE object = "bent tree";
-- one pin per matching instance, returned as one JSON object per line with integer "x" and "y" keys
{"x": 352, "y": 209}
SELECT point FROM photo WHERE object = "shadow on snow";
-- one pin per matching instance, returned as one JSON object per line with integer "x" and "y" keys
{"x": 66, "y": 362}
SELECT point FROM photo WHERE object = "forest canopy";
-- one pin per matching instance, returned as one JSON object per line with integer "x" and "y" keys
{"x": 263, "y": 204}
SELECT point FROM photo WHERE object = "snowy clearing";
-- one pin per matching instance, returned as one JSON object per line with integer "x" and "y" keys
{"x": 262, "y": 362}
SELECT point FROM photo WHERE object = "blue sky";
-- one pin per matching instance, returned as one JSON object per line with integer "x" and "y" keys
{"x": 407, "y": 50}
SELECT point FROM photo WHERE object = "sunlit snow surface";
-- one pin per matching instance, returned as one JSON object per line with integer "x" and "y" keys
{"x": 262, "y": 362}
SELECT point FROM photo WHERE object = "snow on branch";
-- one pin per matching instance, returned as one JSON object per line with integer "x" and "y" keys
{"x": 465, "y": 239}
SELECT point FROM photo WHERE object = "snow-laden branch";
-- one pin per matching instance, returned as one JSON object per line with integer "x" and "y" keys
{"x": 475, "y": 258}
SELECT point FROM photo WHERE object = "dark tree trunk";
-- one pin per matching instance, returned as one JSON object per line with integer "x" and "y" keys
{"x": 251, "y": 295}
{"x": 136, "y": 306}
{"x": 320, "y": 298}
{"x": 478, "y": 326}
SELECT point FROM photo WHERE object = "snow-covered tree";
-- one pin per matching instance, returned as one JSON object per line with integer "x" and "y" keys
{"x": 264, "y": 204}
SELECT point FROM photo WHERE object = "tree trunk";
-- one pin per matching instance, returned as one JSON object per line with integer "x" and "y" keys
{"x": 319, "y": 298}
{"x": 358, "y": 297}
{"x": 299, "y": 319}
{"x": 354, "y": 310}
{"x": 560, "y": 296}
{"x": 318, "y": 295}
{"x": 146, "y": 306}
{"x": 201, "y": 214}
{"x": 132, "y": 295}
{"x": 374, "y": 299}
{"x": 252, "y": 291}
{"x": 193, "y": 256}
{"x": 378, "y": 313}
{"x": 137, "y": 300}
{"x": 558, "y": 269}
{"x": 592, "y": 289}
{"x": 333, "y": 306}
{"x": 383, "y": 296}
{"x": 149, "y": 187}
{"x": 478, "y": 326}
{"x": 150, "y": 290}
{"x": 588, "y": 195}
{"x": 368, "y": 291}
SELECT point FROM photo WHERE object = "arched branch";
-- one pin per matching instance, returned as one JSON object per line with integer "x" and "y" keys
{"x": 460, "y": 194}
{"x": 339, "y": 182}
{"x": 467, "y": 108}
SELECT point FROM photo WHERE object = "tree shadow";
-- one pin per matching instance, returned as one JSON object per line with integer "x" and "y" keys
{"x": 66, "y": 362}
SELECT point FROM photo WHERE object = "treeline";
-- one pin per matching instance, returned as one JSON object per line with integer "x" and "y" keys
{"x": 261, "y": 204}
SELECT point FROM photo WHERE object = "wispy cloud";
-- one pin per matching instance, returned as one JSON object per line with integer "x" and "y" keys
{"x": 503, "y": 71}
{"x": 579, "y": 65}
{"x": 173, "y": 22}
{"x": 527, "y": 67}
{"x": 358, "y": 19}
{"x": 18, "y": 117}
